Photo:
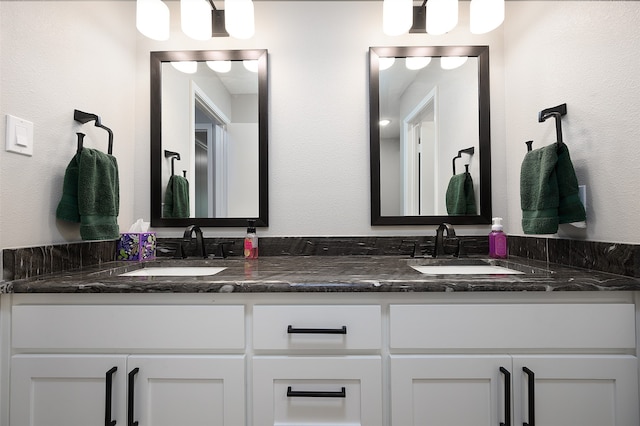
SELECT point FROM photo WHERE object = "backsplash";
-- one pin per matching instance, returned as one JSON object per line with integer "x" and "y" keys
{"x": 623, "y": 259}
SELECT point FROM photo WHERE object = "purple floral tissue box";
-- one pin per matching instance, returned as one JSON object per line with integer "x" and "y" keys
{"x": 137, "y": 246}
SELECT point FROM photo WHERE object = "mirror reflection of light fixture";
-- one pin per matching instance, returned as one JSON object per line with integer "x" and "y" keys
{"x": 187, "y": 67}
{"x": 485, "y": 15}
{"x": 219, "y": 66}
{"x": 417, "y": 62}
{"x": 452, "y": 62}
{"x": 385, "y": 63}
{"x": 194, "y": 19}
{"x": 250, "y": 65}
{"x": 152, "y": 19}
{"x": 384, "y": 122}
{"x": 397, "y": 16}
{"x": 442, "y": 16}
{"x": 239, "y": 19}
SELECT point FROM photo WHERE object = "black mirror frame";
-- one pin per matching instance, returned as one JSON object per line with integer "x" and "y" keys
{"x": 482, "y": 53}
{"x": 157, "y": 58}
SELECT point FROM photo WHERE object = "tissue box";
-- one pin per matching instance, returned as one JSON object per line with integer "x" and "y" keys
{"x": 137, "y": 246}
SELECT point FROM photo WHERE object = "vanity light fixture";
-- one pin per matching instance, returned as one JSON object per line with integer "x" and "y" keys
{"x": 417, "y": 62}
{"x": 385, "y": 63}
{"x": 250, "y": 65}
{"x": 152, "y": 19}
{"x": 187, "y": 67}
{"x": 194, "y": 19}
{"x": 485, "y": 15}
{"x": 452, "y": 62}
{"x": 437, "y": 17}
{"x": 219, "y": 66}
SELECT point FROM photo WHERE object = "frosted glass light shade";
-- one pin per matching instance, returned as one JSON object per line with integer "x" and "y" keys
{"x": 452, "y": 62}
{"x": 442, "y": 16}
{"x": 250, "y": 65}
{"x": 485, "y": 15}
{"x": 219, "y": 66}
{"x": 195, "y": 19}
{"x": 417, "y": 62}
{"x": 397, "y": 16}
{"x": 152, "y": 19}
{"x": 187, "y": 67}
{"x": 239, "y": 18}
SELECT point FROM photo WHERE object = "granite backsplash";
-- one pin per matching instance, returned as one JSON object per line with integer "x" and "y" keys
{"x": 622, "y": 259}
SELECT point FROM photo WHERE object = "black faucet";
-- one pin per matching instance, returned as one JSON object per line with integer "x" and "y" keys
{"x": 451, "y": 233}
{"x": 187, "y": 238}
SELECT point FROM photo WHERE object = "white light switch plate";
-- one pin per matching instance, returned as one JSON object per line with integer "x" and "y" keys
{"x": 19, "y": 135}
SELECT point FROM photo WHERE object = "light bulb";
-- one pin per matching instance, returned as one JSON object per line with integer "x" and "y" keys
{"x": 239, "y": 18}
{"x": 187, "y": 67}
{"x": 219, "y": 66}
{"x": 397, "y": 16}
{"x": 485, "y": 15}
{"x": 195, "y": 19}
{"x": 442, "y": 16}
{"x": 152, "y": 19}
{"x": 417, "y": 62}
{"x": 385, "y": 63}
{"x": 452, "y": 62}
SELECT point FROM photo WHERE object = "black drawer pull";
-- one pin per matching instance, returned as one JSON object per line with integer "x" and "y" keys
{"x": 292, "y": 330}
{"x": 317, "y": 394}
{"x": 507, "y": 397}
{"x": 108, "y": 421}
{"x": 531, "y": 387}
{"x": 130, "y": 397}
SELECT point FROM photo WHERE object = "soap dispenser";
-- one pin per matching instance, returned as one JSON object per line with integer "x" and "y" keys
{"x": 497, "y": 240}
{"x": 251, "y": 242}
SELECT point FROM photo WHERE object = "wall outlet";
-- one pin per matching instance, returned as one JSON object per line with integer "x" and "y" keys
{"x": 19, "y": 135}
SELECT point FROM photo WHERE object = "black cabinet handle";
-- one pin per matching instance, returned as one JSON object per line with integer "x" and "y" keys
{"x": 316, "y": 394}
{"x": 130, "y": 397}
{"x": 292, "y": 330}
{"x": 108, "y": 398}
{"x": 507, "y": 397}
{"x": 531, "y": 397}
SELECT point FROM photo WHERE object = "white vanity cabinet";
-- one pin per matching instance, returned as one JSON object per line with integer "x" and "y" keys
{"x": 312, "y": 376}
{"x": 555, "y": 369}
{"x": 106, "y": 364}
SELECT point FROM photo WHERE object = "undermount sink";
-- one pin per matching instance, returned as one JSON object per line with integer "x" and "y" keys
{"x": 470, "y": 266}
{"x": 464, "y": 270}
{"x": 175, "y": 271}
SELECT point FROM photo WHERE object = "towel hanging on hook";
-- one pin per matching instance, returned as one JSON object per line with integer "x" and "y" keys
{"x": 470, "y": 151}
{"x": 85, "y": 117}
{"x": 556, "y": 112}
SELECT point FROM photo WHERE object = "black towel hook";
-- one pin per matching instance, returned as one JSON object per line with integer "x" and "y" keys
{"x": 174, "y": 156}
{"x": 556, "y": 112}
{"x": 85, "y": 117}
{"x": 470, "y": 151}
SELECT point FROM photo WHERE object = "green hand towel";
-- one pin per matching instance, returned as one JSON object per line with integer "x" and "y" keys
{"x": 539, "y": 196}
{"x": 98, "y": 195}
{"x": 570, "y": 208}
{"x": 68, "y": 206}
{"x": 176, "y": 197}
{"x": 460, "y": 197}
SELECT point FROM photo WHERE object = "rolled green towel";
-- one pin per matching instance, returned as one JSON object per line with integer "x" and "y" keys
{"x": 460, "y": 197}
{"x": 176, "y": 198}
{"x": 68, "y": 206}
{"x": 570, "y": 208}
{"x": 98, "y": 195}
{"x": 539, "y": 196}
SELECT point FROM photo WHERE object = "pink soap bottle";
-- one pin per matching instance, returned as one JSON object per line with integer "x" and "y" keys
{"x": 497, "y": 240}
{"x": 251, "y": 242}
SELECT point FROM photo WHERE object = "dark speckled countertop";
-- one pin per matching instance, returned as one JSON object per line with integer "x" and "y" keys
{"x": 272, "y": 274}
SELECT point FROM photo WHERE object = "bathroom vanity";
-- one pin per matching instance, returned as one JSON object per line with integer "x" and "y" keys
{"x": 348, "y": 340}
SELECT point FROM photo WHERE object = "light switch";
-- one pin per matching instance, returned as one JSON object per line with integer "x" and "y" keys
{"x": 19, "y": 135}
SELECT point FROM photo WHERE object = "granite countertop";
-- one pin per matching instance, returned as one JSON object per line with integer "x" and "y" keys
{"x": 272, "y": 274}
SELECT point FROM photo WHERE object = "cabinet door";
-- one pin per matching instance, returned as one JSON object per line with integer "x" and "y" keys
{"x": 323, "y": 391}
{"x": 186, "y": 390}
{"x": 450, "y": 390}
{"x": 56, "y": 390}
{"x": 576, "y": 390}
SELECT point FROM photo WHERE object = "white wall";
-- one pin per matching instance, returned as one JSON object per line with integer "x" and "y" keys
{"x": 57, "y": 56}
{"x": 584, "y": 54}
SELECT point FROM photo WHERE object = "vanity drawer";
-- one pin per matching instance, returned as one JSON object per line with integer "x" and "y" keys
{"x": 345, "y": 327}
{"x": 513, "y": 326}
{"x": 127, "y": 327}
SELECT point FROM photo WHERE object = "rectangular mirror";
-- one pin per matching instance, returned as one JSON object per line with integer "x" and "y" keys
{"x": 209, "y": 138}
{"x": 430, "y": 135}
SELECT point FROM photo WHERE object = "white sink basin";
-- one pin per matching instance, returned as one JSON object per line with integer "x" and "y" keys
{"x": 464, "y": 270}
{"x": 175, "y": 271}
